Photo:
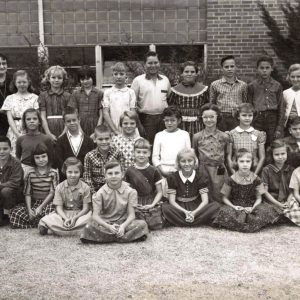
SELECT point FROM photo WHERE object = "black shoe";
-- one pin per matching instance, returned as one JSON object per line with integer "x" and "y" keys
{"x": 141, "y": 239}
{"x": 43, "y": 230}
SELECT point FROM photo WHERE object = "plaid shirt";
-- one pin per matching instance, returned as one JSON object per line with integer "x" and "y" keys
{"x": 226, "y": 95}
{"x": 94, "y": 163}
{"x": 87, "y": 105}
{"x": 249, "y": 139}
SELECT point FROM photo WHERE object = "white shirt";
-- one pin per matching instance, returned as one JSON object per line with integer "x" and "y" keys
{"x": 75, "y": 141}
{"x": 151, "y": 94}
{"x": 166, "y": 147}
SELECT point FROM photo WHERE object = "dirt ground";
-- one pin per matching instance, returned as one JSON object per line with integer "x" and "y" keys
{"x": 174, "y": 263}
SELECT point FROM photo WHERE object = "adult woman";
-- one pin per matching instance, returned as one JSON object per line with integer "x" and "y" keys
{"x": 189, "y": 96}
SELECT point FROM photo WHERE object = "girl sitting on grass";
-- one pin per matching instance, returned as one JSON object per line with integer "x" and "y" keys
{"x": 39, "y": 189}
{"x": 276, "y": 177}
{"x": 72, "y": 199}
{"x": 188, "y": 194}
{"x": 244, "y": 210}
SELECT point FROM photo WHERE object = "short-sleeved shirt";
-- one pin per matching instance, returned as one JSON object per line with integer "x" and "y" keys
{"x": 277, "y": 180}
{"x": 249, "y": 139}
{"x": 88, "y": 105}
{"x": 210, "y": 146}
{"x": 151, "y": 94}
{"x": 54, "y": 103}
{"x": 38, "y": 186}
{"x": 295, "y": 180}
{"x": 187, "y": 187}
{"x": 72, "y": 197}
{"x": 228, "y": 96}
{"x": 265, "y": 94}
{"x": 118, "y": 101}
{"x": 112, "y": 204}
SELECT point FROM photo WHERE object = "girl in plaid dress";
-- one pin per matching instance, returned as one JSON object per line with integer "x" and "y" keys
{"x": 189, "y": 96}
{"x": 245, "y": 136}
{"x": 276, "y": 177}
{"x": 39, "y": 190}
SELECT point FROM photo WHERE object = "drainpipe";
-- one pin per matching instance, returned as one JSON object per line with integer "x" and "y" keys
{"x": 42, "y": 49}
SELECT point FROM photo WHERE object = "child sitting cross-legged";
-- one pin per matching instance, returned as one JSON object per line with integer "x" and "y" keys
{"x": 244, "y": 209}
{"x": 188, "y": 194}
{"x": 72, "y": 199}
{"x": 147, "y": 181}
{"x": 113, "y": 217}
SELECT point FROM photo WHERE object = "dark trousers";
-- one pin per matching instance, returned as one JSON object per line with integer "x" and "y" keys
{"x": 152, "y": 125}
{"x": 9, "y": 198}
{"x": 266, "y": 121}
{"x": 227, "y": 122}
{"x": 3, "y": 124}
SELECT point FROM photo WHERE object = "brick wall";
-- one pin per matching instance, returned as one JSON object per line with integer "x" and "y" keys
{"x": 235, "y": 27}
{"x": 90, "y": 22}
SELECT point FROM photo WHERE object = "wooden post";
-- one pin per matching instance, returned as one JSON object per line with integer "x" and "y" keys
{"x": 99, "y": 66}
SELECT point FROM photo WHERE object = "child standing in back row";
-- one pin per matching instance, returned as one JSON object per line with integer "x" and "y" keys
{"x": 88, "y": 101}
{"x": 53, "y": 101}
{"x": 265, "y": 94}
{"x": 118, "y": 99}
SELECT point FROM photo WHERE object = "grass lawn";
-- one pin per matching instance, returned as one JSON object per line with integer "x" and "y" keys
{"x": 174, "y": 263}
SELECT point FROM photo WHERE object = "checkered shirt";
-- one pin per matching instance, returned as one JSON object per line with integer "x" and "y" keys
{"x": 94, "y": 163}
{"x": 228, "y": 96}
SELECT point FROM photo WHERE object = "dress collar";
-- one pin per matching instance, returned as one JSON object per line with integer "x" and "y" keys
{"x": 142, "y": 168}
{"x": 60, "y": 92}
{"x": 240, "y": 130}
{"x": 121, "y": 189}
{"x": 285, "y": 168}
{"x": 72, "y": 187}
{"x": 190, "y": 179}
{"x": 147, "y": 76}
{"x": 124, "y": 89}
{"x": 223, "y": 79}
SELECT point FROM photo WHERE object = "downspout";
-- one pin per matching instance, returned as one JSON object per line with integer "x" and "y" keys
{"x": 42, "y": 49}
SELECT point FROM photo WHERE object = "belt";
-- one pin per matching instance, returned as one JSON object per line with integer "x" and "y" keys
{"x": 189, "y": 119}
{"x": 54, "y": 117}
{"x": 182, "y": 199}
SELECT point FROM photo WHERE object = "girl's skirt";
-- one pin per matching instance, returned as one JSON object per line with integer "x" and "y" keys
{"x": 95, "y": 233}
{"x": 88, "y": 124}
{"x": 293, "y": 212}
{"x": 263, "y": 215}
{"x": 54, "y": 222}
{"x": 19, "y": 217}
{"x": 56, "y": 125}
{"x": 177, "y": 218}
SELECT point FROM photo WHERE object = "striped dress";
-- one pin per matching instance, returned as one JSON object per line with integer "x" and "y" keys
{"x": 37, "y": 186}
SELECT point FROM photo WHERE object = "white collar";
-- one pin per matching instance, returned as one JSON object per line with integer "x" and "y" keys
{"x": 190, "y": 179}
{"x": 74, "y": 136}
{"x": 239, "y": 129}
{"x": 124, "y": 89}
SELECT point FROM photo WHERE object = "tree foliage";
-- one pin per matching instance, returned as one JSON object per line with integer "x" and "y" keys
{"x": 284, "y": 40}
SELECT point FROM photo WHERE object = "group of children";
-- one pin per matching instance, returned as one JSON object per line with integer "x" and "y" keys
{"x": 90, "y": 173}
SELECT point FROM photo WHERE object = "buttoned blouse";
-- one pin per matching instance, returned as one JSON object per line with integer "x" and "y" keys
{"x": 210, "y": 146}
{"x": 112, "y": 204}
{"x": 72, "y": 197}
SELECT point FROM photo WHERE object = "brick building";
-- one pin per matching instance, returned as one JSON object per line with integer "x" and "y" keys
{"x": 70, "y": 30}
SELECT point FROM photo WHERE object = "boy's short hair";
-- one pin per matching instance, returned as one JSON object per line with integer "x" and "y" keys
{"x": 118, "y": 67}
{"x": 112, "y": 164}
{"x": 241, "y": 152}
{"x": 293, "y": 122}
{"x": 265, "y": 58}
{"x": 41, "y": 149}
{"x": 131, "y": 115}
{"x": 172, "y": 111}
{"x": 5, "y": 139}
{"x": 4, "y": 57}
{"x": 150, "y": 53}
{"x": 244, "y": 107}
{"x": 86, "y": 72}
{"x": 102, "y": 129}
{"x": 142, "y": 143}
{"x": 69, "y": 110}
{"x": 72, "y": 161}
{"x": 226, "y": 58}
